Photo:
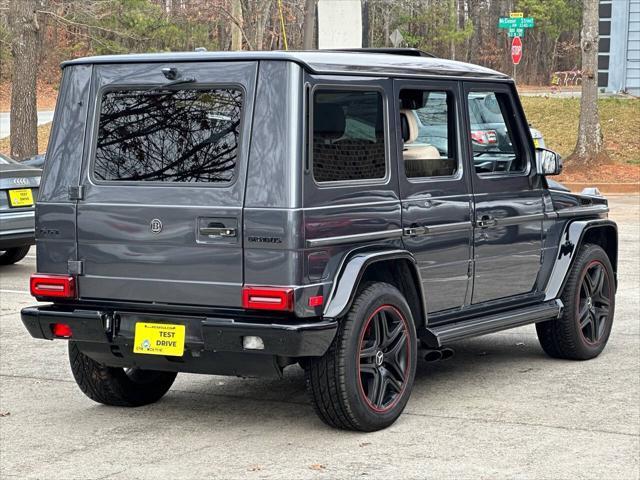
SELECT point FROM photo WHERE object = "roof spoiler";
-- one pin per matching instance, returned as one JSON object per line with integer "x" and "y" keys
{"x": 409, "y": 52}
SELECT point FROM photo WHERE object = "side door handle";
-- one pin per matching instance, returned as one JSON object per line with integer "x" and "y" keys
{"x": 225, "y": 232}
{"x": 486, "y": 221}
{"x": 416, "y": 231}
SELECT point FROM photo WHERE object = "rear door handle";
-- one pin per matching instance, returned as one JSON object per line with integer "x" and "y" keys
{"x": 486, "y": 221}
{"x": 211, "y": 232}
{"x": 416, "y": 231}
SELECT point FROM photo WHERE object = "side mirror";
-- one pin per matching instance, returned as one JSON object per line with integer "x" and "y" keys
{"x": 548, "y": 162}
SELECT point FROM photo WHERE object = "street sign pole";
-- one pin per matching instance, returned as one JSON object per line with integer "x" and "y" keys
{"x": 516, "y": 24}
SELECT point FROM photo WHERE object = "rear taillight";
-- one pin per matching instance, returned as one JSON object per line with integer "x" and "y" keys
{"x": 268, "y": 298}
{"x": 484, "y": 137}
{"x": 58, "y": 286}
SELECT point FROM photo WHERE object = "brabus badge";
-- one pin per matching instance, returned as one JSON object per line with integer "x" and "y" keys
{"x": 156, "y": 225}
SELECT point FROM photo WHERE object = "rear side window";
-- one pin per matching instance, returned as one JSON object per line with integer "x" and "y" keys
{"x": 168, "y": 135}
{"x": 348, "y": 136}
{"x": 427, "y": 123}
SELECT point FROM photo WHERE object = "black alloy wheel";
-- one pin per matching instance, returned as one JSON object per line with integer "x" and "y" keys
{"x": 364, "y": 381}
{"x": 582, "y": 330}
{"x": 594, "y": 300}
{"x": 384, "y": 358}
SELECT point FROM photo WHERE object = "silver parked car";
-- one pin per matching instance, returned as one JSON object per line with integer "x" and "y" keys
{"x": 18, "y": 193}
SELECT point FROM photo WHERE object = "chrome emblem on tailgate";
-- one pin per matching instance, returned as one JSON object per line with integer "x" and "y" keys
{"x": 156, "y": 225}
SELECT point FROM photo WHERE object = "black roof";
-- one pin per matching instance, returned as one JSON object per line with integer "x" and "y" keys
{"x": 353, "y": 62}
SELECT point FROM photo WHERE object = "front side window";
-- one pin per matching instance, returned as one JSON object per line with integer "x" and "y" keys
{"x": 348, "y": 136}
{"x": 168, "y": 135}
{"x": 495, "y": 146}
{"x": 427, "y": 123}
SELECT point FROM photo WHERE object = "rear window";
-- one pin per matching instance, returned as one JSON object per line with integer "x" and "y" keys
{"x": 168, "y": 135}
{"x": 348, "y": 136}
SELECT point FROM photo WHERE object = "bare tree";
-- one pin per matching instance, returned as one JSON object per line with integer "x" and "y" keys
{"x": 590, "y": 146}
{"x": 256, "y": 14}
{"x": 309, "y": 24}
{"x": 236, "y": 25}
{"x": 23, "y": 26}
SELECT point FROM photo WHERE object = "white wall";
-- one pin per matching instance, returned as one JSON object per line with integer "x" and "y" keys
{"x": 339, "y": 24}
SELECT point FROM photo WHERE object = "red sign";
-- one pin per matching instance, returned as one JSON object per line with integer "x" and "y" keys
{"x": 516, "y": 50}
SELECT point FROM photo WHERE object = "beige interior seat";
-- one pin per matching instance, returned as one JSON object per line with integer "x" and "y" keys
{"x": 412, "y": 150}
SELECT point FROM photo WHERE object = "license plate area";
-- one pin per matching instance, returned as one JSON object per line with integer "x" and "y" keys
{"x": 165, "y": 339}
{"x": 21, "y": 197}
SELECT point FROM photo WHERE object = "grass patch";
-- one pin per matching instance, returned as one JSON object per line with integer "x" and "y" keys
{"x": 557, "y": 119}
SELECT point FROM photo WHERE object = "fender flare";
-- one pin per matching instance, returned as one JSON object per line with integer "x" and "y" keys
{"x": 350, "y": 274}
{"x": 571, "y": 240}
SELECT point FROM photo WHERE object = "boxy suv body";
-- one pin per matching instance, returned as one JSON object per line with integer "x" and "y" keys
{"x": 236, "y": 213}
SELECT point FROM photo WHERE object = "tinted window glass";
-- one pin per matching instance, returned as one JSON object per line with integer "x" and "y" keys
{"x": 168, "y": 135}
{"x": 427, "y": 121}
{"x": 348, "y": 135}
{"x": 495, "y": 149}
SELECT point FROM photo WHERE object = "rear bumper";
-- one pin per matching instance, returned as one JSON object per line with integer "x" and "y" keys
{"x": 17, "y": 229}
{"x": 212, "y": 344}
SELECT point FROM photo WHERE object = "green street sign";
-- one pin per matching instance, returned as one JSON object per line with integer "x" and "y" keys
{"x": 508, "y": 22}
{"x": 516, "y": 32}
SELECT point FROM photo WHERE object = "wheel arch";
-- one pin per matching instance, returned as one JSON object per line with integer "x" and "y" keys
{"x": 606, "y": 236}
{"x": 602, "y": 232}
{"x": 397, "y": 267}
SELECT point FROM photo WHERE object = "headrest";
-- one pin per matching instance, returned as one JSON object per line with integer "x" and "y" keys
{"x": 328, "y": 120}
{"x": 409, "y": 126}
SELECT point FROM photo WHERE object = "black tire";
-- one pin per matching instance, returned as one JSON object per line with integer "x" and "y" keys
{"x": 13, "y": 255}
{"x": 343, "y": 384}
{"x": 115, "y": 386}
{"x": 583, "y": 329}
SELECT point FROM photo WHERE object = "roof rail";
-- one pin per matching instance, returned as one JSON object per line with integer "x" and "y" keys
{"x": 409, "y": 52}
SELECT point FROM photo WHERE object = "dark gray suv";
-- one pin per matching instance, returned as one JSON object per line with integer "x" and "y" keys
{"x": 238, "y": 213}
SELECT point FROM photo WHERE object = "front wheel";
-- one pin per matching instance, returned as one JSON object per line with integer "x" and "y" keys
{"x": 364, "y": 380}
{"x": 120, "y": 387}
{"x": 583, "y": 329}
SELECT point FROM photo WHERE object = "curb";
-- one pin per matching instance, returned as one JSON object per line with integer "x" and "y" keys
{"x": 608, "y": 188}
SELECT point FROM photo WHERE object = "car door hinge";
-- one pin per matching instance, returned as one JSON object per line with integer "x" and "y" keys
{"x": 75, "y": 267}
{"x": 76, "y": 192}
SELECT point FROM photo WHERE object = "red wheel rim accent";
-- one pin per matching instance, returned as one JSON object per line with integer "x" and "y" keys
{"x": 384, "y": 359}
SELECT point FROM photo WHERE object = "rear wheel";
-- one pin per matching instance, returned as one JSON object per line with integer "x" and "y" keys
{"x": 120, "y": 387}
{"x": 364, "y": 380}
{"x": 13, "y": 255}
{"x": 589, "y": 302}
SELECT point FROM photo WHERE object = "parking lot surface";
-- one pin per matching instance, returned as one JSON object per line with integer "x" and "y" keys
{"x": 499, "y": 409}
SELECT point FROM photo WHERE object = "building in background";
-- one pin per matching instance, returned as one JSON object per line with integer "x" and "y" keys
{"x": 619, "y": 53}
{"x": 339, "y": 24}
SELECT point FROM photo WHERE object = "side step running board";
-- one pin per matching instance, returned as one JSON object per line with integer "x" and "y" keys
{"x": 436, "y": 337}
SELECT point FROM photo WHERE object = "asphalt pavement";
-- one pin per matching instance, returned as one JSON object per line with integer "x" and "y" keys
{"x": 499, "y": 409}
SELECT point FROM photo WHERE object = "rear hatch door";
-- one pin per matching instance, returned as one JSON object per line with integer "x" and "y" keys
{"x": 159, "y": 215}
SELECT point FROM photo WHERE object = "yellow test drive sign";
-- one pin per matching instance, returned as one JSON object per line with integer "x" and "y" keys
{"x": 159, "y": 339}
{"x": 21, "y": 198}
